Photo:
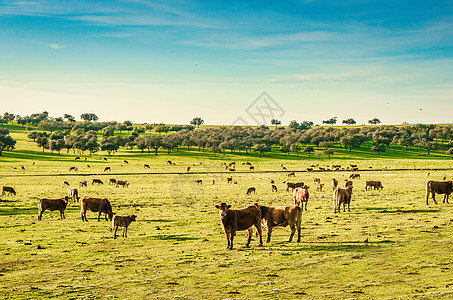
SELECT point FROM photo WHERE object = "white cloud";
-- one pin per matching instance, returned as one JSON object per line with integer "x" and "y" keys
{"x": 56, "y": 46}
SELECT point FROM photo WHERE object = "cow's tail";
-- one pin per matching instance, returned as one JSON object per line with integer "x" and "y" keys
{"x": 428, "y": 190}
{"x": 299, "y": 216}
{"x": 335, "y": 198}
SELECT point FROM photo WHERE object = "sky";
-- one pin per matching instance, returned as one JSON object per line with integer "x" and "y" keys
{"x": 229, "y": 62}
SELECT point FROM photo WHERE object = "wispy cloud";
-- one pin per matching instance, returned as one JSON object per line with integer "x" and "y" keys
{"x": 56, "y": 46}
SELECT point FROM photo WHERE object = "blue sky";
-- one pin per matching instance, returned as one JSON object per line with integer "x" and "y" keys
{"x": 169, "y": 61}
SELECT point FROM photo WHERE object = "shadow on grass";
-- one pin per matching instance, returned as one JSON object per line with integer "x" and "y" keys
{"x": 405, "y": 211}
{"x": 173, "y": 237}
{"x": 12, "y": 211}
{"x": 157, "y": 220}
{"x": 330, "y": 246}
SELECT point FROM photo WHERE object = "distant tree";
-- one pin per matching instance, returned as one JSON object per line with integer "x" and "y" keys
{"x": 109, "y": 144}
{"x": 349, "y": 121}
{"x": 294, "y": 125}
{"x": 33, "y": 135}
{"x": 161, "y": 128}
{"x": 329, "y": 152}
{"x": 276, "y": 122}
{"x": 108, "y": 131}
{"x": 197, "y": 121}
{"x": 309, "y": 149}
{"x": 295, "y": 148}
{"x": 331, "y": 121}
{"x": 127, "y": 123}
{"x": 69, "y": 118}
{"x": 374, "y": 121}
{"x": 6, "y": 141}
{"x": 89, "y": 117}
{"x": 261, "y": 149}
{"x": 8, "y": 117}
{"x": 378, "y": 148}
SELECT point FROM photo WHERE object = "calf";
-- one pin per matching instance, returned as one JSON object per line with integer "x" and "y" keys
{"x": 319, "y": 187}
{"x": 73, "y": 194}
{"x": 274, "y": 188}
{"x": 301, "y": 196}
{"x": 107, "y": 169}
{"x": 73, "y": 169}
{"x": 250, "y": 190}
{"x": 439, "y": 187}
{"x": 122, "y": 221}
{"x": 342, "y": 196}
{"x": 233, "y": 220}
{"x": 83, "y": 183}
{"x": 52, "y": 204}
{"x": 98, "y": 181}
{"x": 124, "y": 183}
{"x": 112, "y": 181}
{"x": 9, "y": 190}
{"x": 101, "y": 205}
{"x": 281, "y": 216}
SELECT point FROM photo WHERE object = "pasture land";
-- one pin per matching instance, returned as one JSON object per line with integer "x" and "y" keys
{"x": 391, "y": 244}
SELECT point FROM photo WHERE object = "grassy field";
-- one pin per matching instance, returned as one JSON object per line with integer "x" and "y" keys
{"x": 176, "y": 249}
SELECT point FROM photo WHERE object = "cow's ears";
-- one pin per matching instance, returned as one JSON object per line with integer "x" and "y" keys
{"x": 217, "y": 206}
{"x": 228, "y": 206}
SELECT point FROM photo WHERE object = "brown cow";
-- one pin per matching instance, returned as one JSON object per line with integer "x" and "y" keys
{"x": 98, "y": 181}
{"x": 301, "y": 196}
{"x": 293, "y": 174}
{"x": 229, "y": 179}
{"x": 124, "y": 183}
{"x": 22, "y": 168}
{"x": 334, "y": 184}
{"x": 66, "y": 183}
{"x": 375, "y": 184}
{"x": 83, "y": 183}
{"x": 347, "y": 183}
{"x": 53, "y": 204}
{"x": 122, "y": 221}
{"x": 73, "y": 194}
{"x": 252, "y": 168}
{"x": 101, "y": 205}
{"x": 439, "y": 187}
{"x": 342, "y": 196}
{"x": 250, "y": 190}
{"x": 9, "y": 190}
{"x": 309, "y": 169}
{"x": 126, "y": 162}
{"x": 281, "y": 216}
{"x": 112, "y": 181}
{"x": 199, "y": 181}
{"x": 107, "y": 169}
{"x": 290, "y": 185}
{"x": 233, "y": 220}
{"x": 354, "y": 176}
{"x": 274, "y": 188}
{"x": 316, "y": 180}
{"x": 105, "y": 159}
{"x": 146, "y": 166}
{"x": 73, "y": 169}
{"x": 77, "y": 158}
{"x": 188, "y": 169}
{"x": 319, "y": 187}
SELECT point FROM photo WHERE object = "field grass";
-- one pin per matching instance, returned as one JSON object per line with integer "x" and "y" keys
{"x": 391, "y": 245}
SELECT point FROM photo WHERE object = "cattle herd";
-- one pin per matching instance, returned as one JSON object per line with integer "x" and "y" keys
{"x": 233, "y": 220}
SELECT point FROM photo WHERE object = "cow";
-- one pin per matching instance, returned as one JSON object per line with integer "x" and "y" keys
{"x": 272, "y": 181}
{"x": 122, "y": 221}
{"x": 233, "y": 220}
{"x": 354, "y": 176}
{"x": 105, "y": 159}
{"x": 83, "y": 183}
{"x": 232, "y": 164}
{"x": 73, "y": 194}
{"x": 353, "y": 166}
{"x": 342, "y": 196}
{"x": 9, "y": 190}
{"x": 321, "y": 169}
{"x": 309, "y": 169}
{"x": 213, "y": 181}
{"x": 252, "y": 168}
{"x": 439, "y": 187}
{"x": 274, "y": 188}
{"x": 188, "y": 169}
{"x": 291, "y": 174}
{"x": 22, "y": 168}
{"x": 375, "y": 184}
{"x": 334, "y": 184}
{"x": 112, "y": 181}
{"x": 316, "y": 180}
{"x": 66, "y": 183}
{"x": 354, "y": 169}
{"x": 248, "y": 163}
{"x": 126, "y": 162}
{"x": 301, "y": 196}
{"x": 284, "y": 168}
{"x": 169, "y": 162}
{"x": 51, "y": 205}
{"x": 319, "y": 187}
{"x": 250, "y": 190}
{"x": 199, "y": 181}
{"x": 107, "y": 169}
{"x": 290, "y": 185}
{"x": 231, "y": 170}
{"x": 88, "y": 166}
{"x": 101, "y": 205}
{"x": 98, "y": 181}
{"x": 124, "y": 183}
{"x": 281, "y": 216}
{"x": 229, "y": 179}
{"x": 73, "y": 169}
{"x": 77, "y": 158}
{"x": 146, "y": 166}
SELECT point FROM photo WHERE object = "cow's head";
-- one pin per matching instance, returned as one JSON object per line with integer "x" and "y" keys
{"x": 133, "y": 217}
{"x": 305, "y": 187}
{"x": 66, "y": 199}
{"x": 223, "y": 207}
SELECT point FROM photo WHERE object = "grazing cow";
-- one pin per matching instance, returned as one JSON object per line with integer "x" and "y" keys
{"x": 354, "y": 169}
{"x": 252, "y": 168}
{"x": 101, "y": 205}
{"x": 334, "y": 184}
{"x": 301, "y": 196}
{"x": 22, "y": 168}
{"x": 88, "y": 166}
{"x": 188, "y": 169}
{"x": 107, "y": 169}
{"x": 73, "y": 194}
{"x": 122, "y": 221}
{"x": 146, "y": 166}
{"x": 231, "y": 170}
{"x": 319, "y": 187}
{"x": 342, "y": 196}
{"x": 105, "y": 159}
{"x": 124, "y": 183}
{"x": 353, "y": 166}
{"x": 250, "y": 190}
{"x": 73, "y": 169}
{"x": 281, "y": 216}
{"x": 112, "y": 181}
{"x": 284, "y": 168}
{"x": 233, "y": 220}
{"x": 77, "y": 158}
{"x": 53, "y": 204}
{"x": 9, "y": 190}
{"x": 248, "y": 163}
{"x": 309, "y": 169}
{"x": 274, "y": 188}
{"x": 316, "y": 180}
{"x": 235, "y": 182}
{"x": 291, "y": 174}
{"x": 375, "y": 184}
{"x": 439, "y": 187}
{"x": 232, "y": 164}
{"x": 126, "y": 162}
{"x": 199, "y": 181}
{"x": 66, "y": 183}
{"x": 354, "y": 176}
{"x": 169, "y": 162}
{"x": 290, "y": 185}
{"x": 229, "y": 179}
{"x": 83, "y": 183}
{"x": 299, "y": 184}
{"x": 272, "y": 181}
{"x": 98, "y": 181}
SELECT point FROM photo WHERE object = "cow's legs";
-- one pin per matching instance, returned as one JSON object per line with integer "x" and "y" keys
{"x": 228, "y": 239}
{"x": 249, "y": 236}
{"x": 105, "y": 217}
{"x": 62, "y": 214}
{"x": 447, "y": 197}
{"x": 99, "y": 216}
{"x": 114, "y": 231}
{"x": 293, "y": 230}
{"x": 125, "y": 231}
{"x": 269, "y": 232}
{"x": 306, "y": 205}
{"x": 39, "y": 215}
{"x": 260, "y": 232}
{"x": 434, "y": 197}
{"x": 348, "y": 207}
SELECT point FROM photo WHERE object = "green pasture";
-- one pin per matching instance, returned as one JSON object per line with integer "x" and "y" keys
{"x": 391, "y": 245}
